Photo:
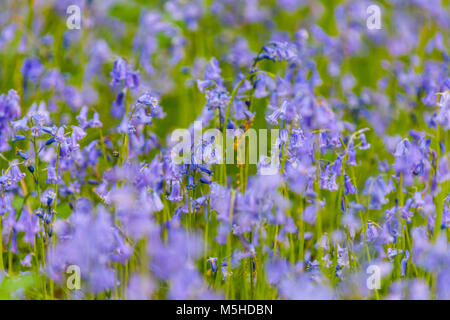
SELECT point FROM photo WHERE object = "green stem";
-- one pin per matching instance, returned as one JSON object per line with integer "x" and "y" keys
{"x": 2, "y": 268}
{"x": 229, "y": 244}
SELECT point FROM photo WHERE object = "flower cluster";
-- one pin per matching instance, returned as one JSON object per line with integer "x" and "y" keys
{"x": 356, "y": 176}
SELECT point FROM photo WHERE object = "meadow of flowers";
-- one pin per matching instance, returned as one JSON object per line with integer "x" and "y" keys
{"x": 94, "y": 206}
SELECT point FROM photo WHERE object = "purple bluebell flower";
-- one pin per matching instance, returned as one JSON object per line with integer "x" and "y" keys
{"x": 9, "y": 111}
{"x": 349, "y": 187}
{"x": 152, "y": 102}
{"x": 212, "y": 261}
{"x": 309, "y": 215}
{"x": 364, "y": 144}
{"x": 26, "y": 261}
{"x": 82, "y": 116}
{"x": 176, "y": 192}
{"x": 21, "y": 124}
{"x": 275, "y": 116}
{"x": 95, "y": 121}
{"x": 301, "y": 175}
{"x": 203, "y": 84}
{"x": 14, "y": 172}
{"x": 90, "y": 247}
{"x": 240, "y": 54}
{"x": 351, "y": 155}
{"x": 277, "y": 51}
{"x": 190, "y": 12}
{"x": 123, "y": 75}
{"x": 53, "y": 80}
{"x": 404, "y": 263}
{"x": 371, "y": 232}
{"x": 351, "y": 221}
{"x": 32, "y": 68}
{"x": 406, "y": 213}
{"x": 443, "y": 171}
{"x": 220, "y": 201}
{"x": 51, "y": 175}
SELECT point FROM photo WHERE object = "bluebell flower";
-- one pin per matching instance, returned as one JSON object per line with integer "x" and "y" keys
{"x": 212, "y": 261}
{"x": 118, "y": 105}
{"x": 351, "y": 155}
{"x": 123, "y": 75}
{"x": 189, "y": 12}
{"x": 349, "y": 187}
{"x": 309, "y": 214}
{"x": 404, "y": 263}
{"x": 203, "y": 84}
{"x": 22, "y": 154}
{"x": 204, "y": 181}
{"x": 277, "y": 51}
{"x": 82, "y": 116}
{"x": 324, "y": 176}
{"x": 152, "y": 102}
{"x": 10, "y": 111}
{"x": 30, "y": 166}
{"x": 226, "y": 272}
{"x": 277, "y": 114}
{"x": 95, "y": 121}
{"x": 364, "y": 145}
{"x": 14, "y": 172}
{"x": 51, "y": 175}
{"x": 18, "y": 137}
{"x": 406, "y": 213}
{"x": 119, "y": 71}
{"x": 21, "y": 124}
{"x": 32, "y": 68}
{"x": 371, "y": 232}
{"x": 176, "y": 192}
{"x": 377, "y": 188}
